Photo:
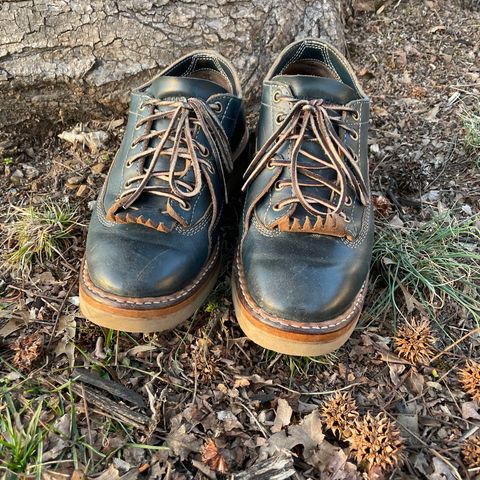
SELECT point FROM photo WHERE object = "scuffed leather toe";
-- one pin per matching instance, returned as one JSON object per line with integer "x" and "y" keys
{"x": 134, "y": 261}
{"x": 314, "y": 287}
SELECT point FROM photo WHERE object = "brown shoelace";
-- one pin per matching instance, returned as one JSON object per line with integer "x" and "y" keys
{"x": 313, "y": 119}
{"x": 186, "y": 117}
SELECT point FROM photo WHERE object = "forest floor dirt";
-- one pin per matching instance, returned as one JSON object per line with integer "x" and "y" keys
{"x": 400, "y": 400}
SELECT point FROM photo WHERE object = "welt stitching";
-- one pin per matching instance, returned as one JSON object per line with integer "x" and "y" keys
{"x": 88, "y": 284}
{"x": 284, "y": 322}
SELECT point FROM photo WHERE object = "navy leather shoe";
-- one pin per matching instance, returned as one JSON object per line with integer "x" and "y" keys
{"x": 152, "y": 252}
{"x": 301, "y": 268}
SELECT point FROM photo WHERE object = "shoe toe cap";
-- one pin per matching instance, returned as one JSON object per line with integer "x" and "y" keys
{"x": 289, "y": 283}
{"x": 129, "y": 266}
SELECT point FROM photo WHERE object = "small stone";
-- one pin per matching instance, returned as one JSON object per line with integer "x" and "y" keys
{"x": 375, "y": 148}
{"x": 75, "y": 300}
{"x": 74, "y": 181}
{"x": 467, "y": 209}
{"x": 431, "y": 196}
{"x": 31, "y": 172}
{"x": 16, "y": 177}
{"x": 98, "y": 168}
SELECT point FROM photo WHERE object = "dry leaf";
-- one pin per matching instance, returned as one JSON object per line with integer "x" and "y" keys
{"x": 57, "y": 442}
{"x": 229, "y": 420}
{"x": 432, "y": 114}
{"x": 409, "y": 426}
{"x": 12, "y": 325}
{"x": 470, "y": 410}
{"x": 437, "y": 28}
{"x": 441, "y": 471}
{"x": 111, "y": 473}
{"x": 415, "y": 382}
{"x": 283, "y": 415}
{"x": 308, "y": 434}
{"x": 333, "y": 464}
{"x": 179, "y": 441}
{"x": 93, "y": 140}
{"x": 68, "y": 326}
{"x": 212, "y": 457}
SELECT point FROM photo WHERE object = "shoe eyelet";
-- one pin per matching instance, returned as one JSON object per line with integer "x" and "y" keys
{"x": 187, "y": 207}
{"x": 348, "y": 201}
{"x": 278, "y": 185}
{"x": 217, "y": 107}
{"x": 276, "y": 96}
{"x": 276, "y": 208}
{"x": 138, "y": 127}
{"x": 356, "y": 116}
{"x": 280, "y": 118}
{"x": 270, "y": 165}
{"x": 354, "y": 136}
{"x": 347, "y": 219}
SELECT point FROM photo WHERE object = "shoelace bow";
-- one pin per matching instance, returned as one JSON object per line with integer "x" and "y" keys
{"x": 317, "y": 118}
{"x": 185, "y": 115}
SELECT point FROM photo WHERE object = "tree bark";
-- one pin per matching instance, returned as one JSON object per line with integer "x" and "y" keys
{"x": 64, "y": 60}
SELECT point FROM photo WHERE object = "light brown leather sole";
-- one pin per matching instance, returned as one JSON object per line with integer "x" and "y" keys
{"x": 287, "y": 336}
{"x": 145, "y": 315}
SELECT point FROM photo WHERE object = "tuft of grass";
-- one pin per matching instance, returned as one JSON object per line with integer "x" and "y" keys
{"x": 303, "y": 367}
{"x": 20, "y": 441}
{"x": 37, "y": 234}
{"x": 433, "y": 263}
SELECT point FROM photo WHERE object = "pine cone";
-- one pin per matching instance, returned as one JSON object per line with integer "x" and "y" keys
{"x": 414, "y": 341}
{"x": 339, "y": 413}
{"x": 470, "y": 378}
{"x": 471, "y": 452}
{"x": 376, "y": 443}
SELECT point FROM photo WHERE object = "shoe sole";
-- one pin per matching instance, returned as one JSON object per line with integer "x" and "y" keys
{"x": 287, "y": 336}
{"x": 146, "y": 315}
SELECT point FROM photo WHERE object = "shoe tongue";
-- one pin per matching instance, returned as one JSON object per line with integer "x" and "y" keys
{"x": 174, "y": 87}
{"x": 305, "y": 86}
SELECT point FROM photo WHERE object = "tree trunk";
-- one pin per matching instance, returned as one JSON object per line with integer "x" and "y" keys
{"x": 65, "y": 60}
